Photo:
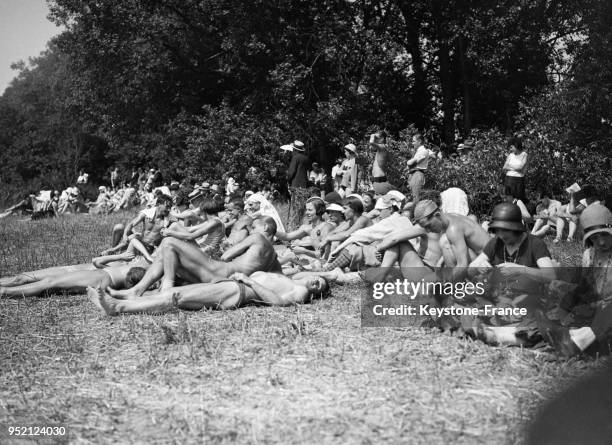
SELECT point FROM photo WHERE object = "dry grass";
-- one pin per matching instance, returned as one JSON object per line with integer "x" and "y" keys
{"x": 305, "y": 374}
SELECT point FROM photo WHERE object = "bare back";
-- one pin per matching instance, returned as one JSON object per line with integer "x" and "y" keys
{"x": 260, "y": 256}
{"x": 476, "y": 238}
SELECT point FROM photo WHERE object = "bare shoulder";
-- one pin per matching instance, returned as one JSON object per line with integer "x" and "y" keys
{"x": 244, "y": 220}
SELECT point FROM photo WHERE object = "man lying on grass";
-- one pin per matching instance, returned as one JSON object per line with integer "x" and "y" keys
{"x": 53, "y": 273}
{"x": 184, "y": 260}
{"x": 77, "y": 281}
{"x": 272, "y": 289}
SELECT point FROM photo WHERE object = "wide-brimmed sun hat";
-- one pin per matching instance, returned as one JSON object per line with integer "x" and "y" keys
{"x": 351, "y": 147}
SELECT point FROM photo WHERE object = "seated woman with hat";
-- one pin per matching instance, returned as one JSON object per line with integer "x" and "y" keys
{"x": 515, "y": 265}
{"x": 586, "y": 308}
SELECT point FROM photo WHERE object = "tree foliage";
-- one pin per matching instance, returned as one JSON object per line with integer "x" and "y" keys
{"x": 197, "y": 87}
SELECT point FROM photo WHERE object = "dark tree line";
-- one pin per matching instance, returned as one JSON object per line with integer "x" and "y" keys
{"x": 198, "y": 87}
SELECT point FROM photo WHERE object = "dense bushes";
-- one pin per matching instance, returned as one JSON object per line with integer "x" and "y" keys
{"x": 552, "y": 167}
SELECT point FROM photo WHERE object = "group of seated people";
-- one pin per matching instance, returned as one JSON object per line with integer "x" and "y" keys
{"x": 224, "y": 255}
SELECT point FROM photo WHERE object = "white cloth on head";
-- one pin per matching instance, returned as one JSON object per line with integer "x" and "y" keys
{"x": 266, "y": 209}
{"x": 164, "y": 189}
{"x": 454, "y": 200}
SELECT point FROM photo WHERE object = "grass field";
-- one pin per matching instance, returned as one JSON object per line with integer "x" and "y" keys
{"x": 304, "y": 374}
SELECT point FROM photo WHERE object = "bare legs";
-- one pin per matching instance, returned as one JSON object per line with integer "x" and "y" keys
{"x": 410, "y": 262}
{"x": 135, "y": 247}
{"x": 74, "y": 280}
{"x": 37, "y": 275}
{"x": 184, "y": 259}
{"x": 224, "y": 295}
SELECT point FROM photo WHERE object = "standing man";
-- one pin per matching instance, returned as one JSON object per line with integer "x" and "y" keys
{"x": 417, "y": 166}
{"x": 297, "y": 179}
{"x": 378, "y": 141}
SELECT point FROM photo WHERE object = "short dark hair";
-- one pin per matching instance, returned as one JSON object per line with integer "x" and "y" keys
{"x": 327, "y": 293}
{"x": 354, "y": 204}
{"x": 133, "y": 276}
{"x": 211, "y": 206}
{"x": 517, "y": 142}
{"x": 268, "y": 221}
{"x": 319, "y": 206}
{"x": 163, "y": 199}
{"x": 238, "y": 202}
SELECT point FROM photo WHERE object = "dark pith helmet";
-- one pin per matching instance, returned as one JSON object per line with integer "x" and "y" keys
{"x": 507, "y": 216}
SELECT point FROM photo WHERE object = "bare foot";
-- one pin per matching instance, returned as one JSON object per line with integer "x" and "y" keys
{"x": 166, "y": 284}
{"x": 17, "y": 280}
{"x": 122, "y": 294}
{"x": 102, "y": 300}
{"x": 94, "y": 298}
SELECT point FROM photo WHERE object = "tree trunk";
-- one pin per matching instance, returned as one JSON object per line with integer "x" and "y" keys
{"x": 465, "y": 80}
{"x": 421, "y": 98}
{"x": 448, "y": 96}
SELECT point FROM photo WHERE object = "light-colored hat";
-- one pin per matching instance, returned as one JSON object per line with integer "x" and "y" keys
{"x": 382, "y": 204}
{"x": 351, "y": 147}
{"x": 196, "y": 192}
{"x": 424, "y": 208}
{"x": 334, "y": 208}
{"x": 394, "y": 198}
{"x": 248, "y": 193}
{"x": 298, "y": 145}
{"x": 101, "y": 188}
{"x": 356, "y": 196}
{"x": 205, "y": 185}
{"x": 395, "y": 195}
{"x": 315, "y": 198}
{"x": 594, "y": 219}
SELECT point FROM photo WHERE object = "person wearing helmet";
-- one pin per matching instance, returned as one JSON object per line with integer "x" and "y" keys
{"x": 588, "y": 305}
{"x": 516, "y": 265}
{"x": 513, "y": 252}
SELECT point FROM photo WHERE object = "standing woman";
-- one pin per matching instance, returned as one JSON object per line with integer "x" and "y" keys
{"x": 515, "y": 167}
